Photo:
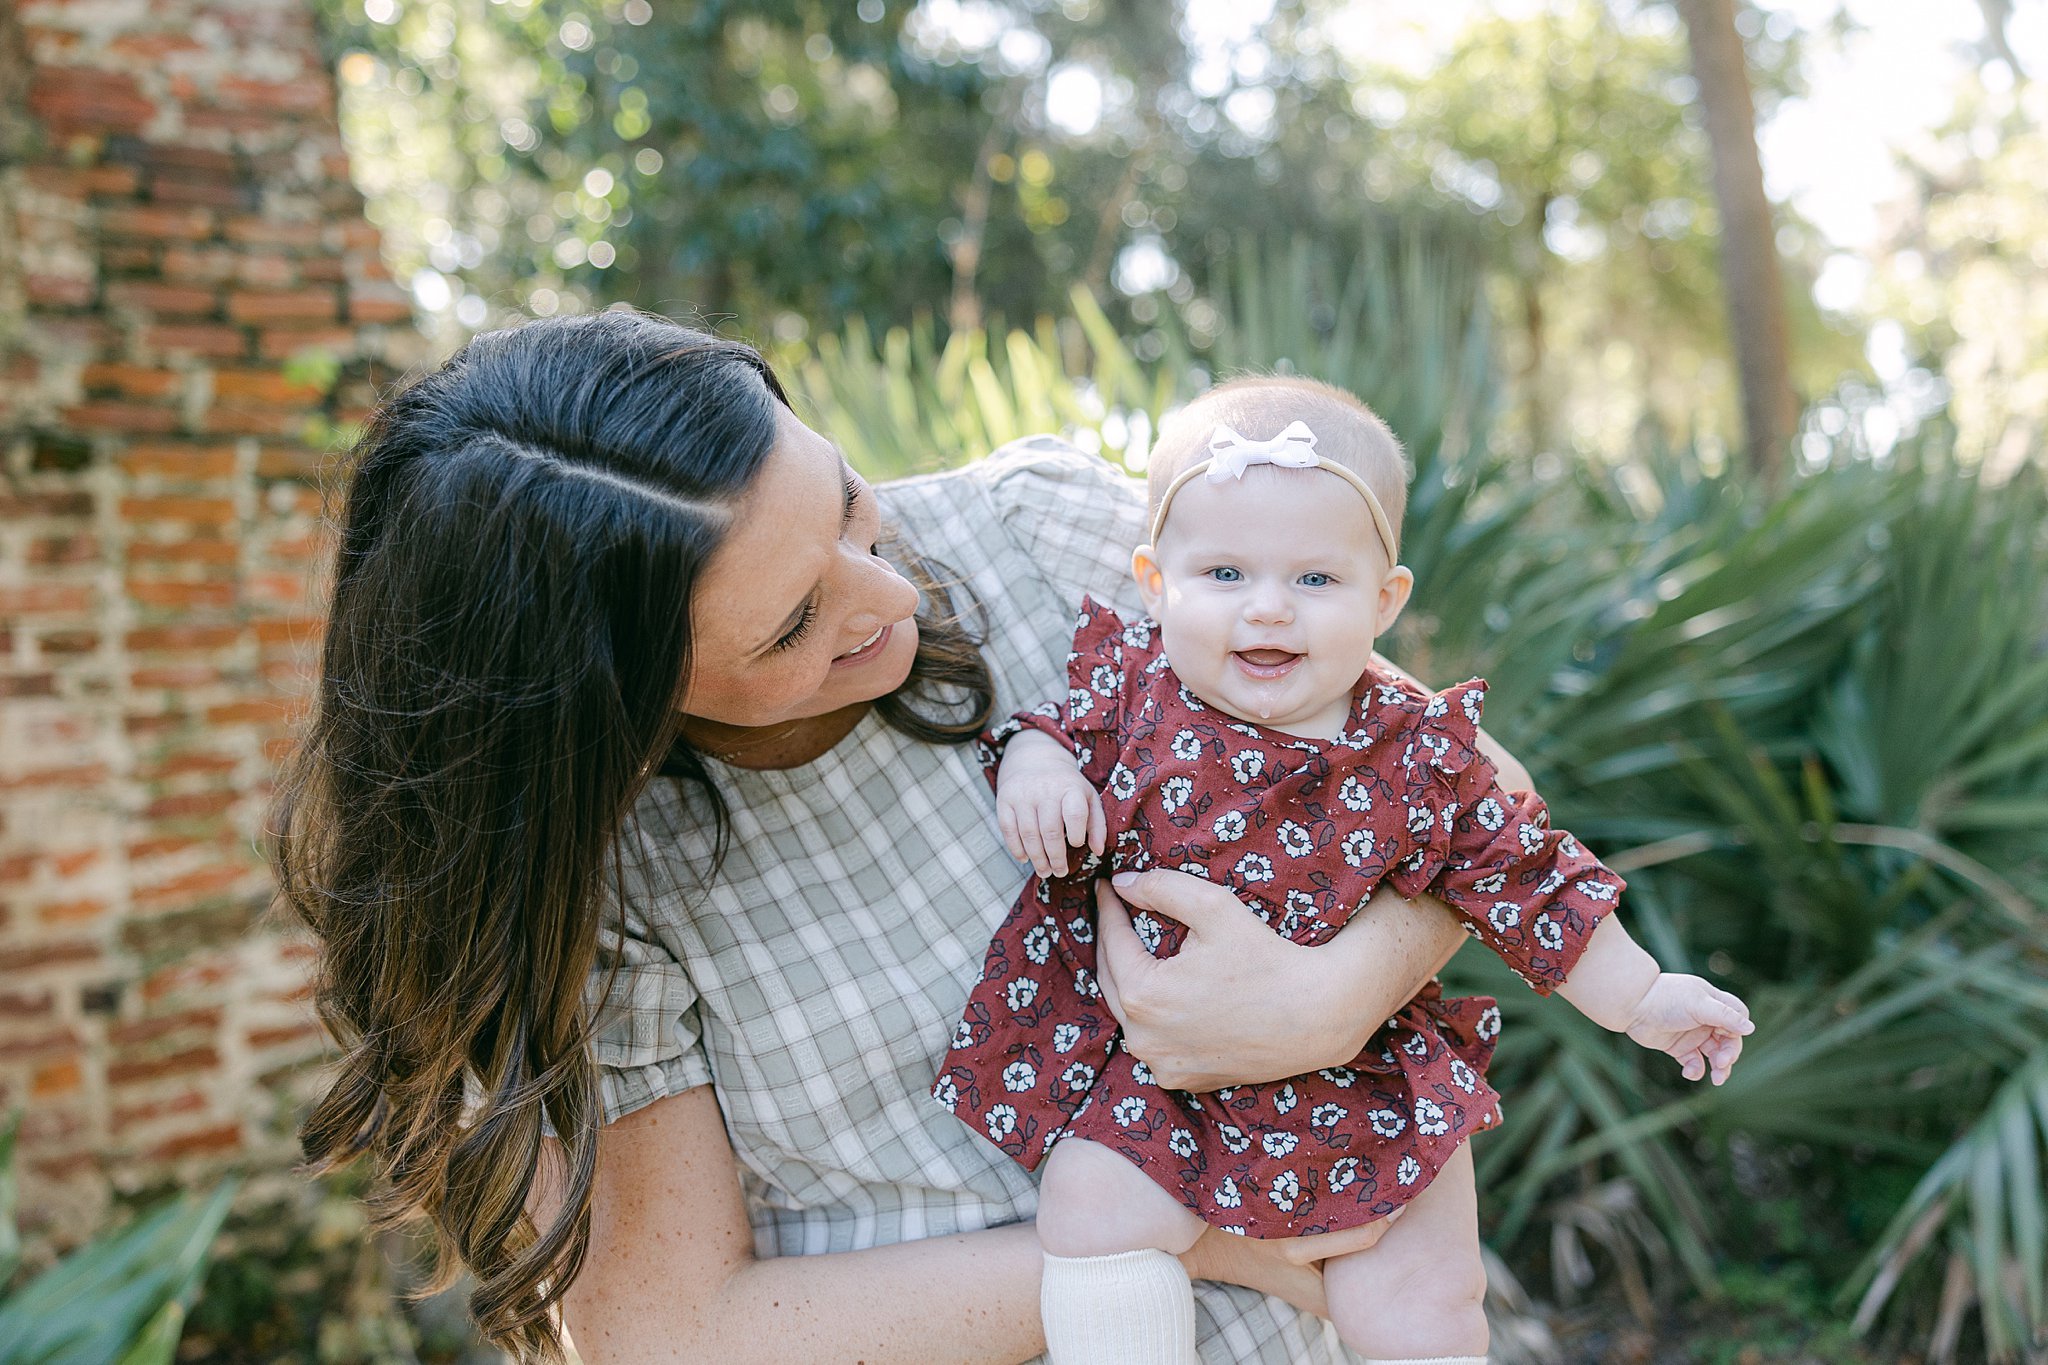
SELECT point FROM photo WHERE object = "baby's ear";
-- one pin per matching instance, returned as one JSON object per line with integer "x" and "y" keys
{"x": 1395, "y": 590}
{"x": 1151, "y": 582}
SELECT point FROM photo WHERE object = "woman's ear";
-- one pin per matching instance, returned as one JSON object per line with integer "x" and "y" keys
{"x": 1395, "y": 589}
{"x": 1151, "y": 582}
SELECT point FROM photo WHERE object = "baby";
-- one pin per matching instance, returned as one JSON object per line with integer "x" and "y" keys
{"x": 1246, "y": 732}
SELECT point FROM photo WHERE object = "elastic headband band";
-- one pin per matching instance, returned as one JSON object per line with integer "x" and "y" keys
{"x": 1294, "y": 448}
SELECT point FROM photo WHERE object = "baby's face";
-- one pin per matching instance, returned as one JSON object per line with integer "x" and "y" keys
{"x": 1270, "y": 591}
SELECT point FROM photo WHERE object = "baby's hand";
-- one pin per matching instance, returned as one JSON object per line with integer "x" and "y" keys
{"x": 1044, "y": 805}
{"x": 1701, "y": 1025}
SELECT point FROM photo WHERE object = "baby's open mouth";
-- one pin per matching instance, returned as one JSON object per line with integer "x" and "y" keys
{"x": 1266, "y": 663}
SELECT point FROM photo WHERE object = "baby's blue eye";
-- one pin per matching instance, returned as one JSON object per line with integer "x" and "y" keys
{"x": 1225, "y": 574}
{"x": 1315, "y": 580}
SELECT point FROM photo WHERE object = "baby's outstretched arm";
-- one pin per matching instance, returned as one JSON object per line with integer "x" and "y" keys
{"x": 1044, "y": 805}
{"x": 1620, "y": 987}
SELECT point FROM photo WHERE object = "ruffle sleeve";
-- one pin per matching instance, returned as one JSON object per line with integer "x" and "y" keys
{"x": 1437, "y": 750}
{"x": 1531, "y": 893}
{"x": 1091, "y": 715}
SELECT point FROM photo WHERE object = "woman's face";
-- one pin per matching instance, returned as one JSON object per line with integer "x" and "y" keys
{"x": 795, "y": 616}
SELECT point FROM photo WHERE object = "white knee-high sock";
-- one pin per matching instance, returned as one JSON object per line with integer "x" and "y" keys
{"x": 1134, "y": 1308}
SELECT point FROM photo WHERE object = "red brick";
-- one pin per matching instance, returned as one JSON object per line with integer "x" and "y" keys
{"x": 372, "y": 304}
{"x": 171, "y": 595}
{"x": 289, "y": 462}
{"x": 130, "y": 1071}
{"x": 72, "y": 911}
{"x": 263, "y": 386}
{"x": 180, "y": 460}
{"x": 59, "y": 291}
{"x": 136, "y": 381}
{"x": 174, "y": 676}
{"x": 80, "y": 181}
{"x": 40, "y": 1044}
{"x": 183, "y": 764}
{"x": 296, "y": 1033}
{"x": 112, "y": 415}
{"x": 216, "y": 1141}
{"x": 292, "y": 305}
{"x": 30, "y": 956}
{"x": 196, "y": 510}
{"x": 127, "y": 1116}
{"x": 15, "y": 1004}
{"x": 14, "y": 506}
{"x": 211, "y": 193}
{"x": 32, "y": 599}
{"x": 59, "y": 550}
{"x": 56, "y": 1078}
{"x": 183, "y": 552}
{"x": 283, "y": 343}
{"x": 186, "y": 806}
{"x": 212, "y": 339}
{"x": 200, "y": 265}
{"x": 170, "y": 300}
{"x": 250, "y": 712}
{"x": 28, "y": 685}
{"x": 72, "y": 100}
{"x": 152, "y": 48}
{"x": 259, "y": 231}
{"x": 44, "y": 779}
{"x": 166, "y": 222}
{"x": 162, "y": 1026}
{"x": 161, "y": 639}
{"x": 67, "y": 643}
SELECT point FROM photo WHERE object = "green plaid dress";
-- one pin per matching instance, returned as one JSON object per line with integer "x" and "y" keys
{"x": 815, "y": 983}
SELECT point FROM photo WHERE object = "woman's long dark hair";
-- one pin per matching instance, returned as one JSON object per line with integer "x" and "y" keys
{"x": 501, "y": 676}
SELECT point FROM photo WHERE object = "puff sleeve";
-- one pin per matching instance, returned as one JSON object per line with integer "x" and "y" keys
{"x": 1089, "y": 718}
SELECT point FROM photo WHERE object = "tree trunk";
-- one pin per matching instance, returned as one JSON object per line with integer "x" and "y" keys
{"x": 1749, "y": 239}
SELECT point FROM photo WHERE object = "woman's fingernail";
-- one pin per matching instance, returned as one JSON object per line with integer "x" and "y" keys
{"x": 1123, "y": 879}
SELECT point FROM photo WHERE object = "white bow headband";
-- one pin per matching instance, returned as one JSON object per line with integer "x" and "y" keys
{"x": 1294, "y": 448}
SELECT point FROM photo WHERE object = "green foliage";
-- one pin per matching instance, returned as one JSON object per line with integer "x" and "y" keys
{"x": 122, "y": 1298}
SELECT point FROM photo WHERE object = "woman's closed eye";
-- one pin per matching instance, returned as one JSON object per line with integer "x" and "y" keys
{"x": 796, "y": 633}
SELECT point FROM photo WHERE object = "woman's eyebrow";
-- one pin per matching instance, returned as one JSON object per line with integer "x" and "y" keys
{"x": 796, "y": 613}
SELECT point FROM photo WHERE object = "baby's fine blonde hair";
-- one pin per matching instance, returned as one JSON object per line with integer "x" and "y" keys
{"x": 1258, "y": 406}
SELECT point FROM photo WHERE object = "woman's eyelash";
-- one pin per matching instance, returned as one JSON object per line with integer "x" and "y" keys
{"x": 852, "y": 494}
{"x": 800, "y": 629}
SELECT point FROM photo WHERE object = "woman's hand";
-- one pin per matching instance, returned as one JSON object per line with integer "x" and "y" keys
{"x": 1289, "y": 1268}
{"x": 1240, "y": 1004}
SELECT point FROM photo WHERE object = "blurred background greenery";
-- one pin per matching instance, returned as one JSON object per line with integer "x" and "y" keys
{"x": 1796, "y": 688}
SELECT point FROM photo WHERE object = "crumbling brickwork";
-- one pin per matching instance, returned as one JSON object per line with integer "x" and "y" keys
{"x": 191, "y": 307}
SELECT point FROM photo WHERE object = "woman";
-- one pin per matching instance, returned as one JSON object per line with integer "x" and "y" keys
{"x": 640, "y": 829}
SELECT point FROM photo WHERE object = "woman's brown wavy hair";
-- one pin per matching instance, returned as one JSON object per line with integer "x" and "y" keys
{"x": 501, "y": 676}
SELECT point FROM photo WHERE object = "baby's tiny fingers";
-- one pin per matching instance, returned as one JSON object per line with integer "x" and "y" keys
{"x": 1074, "y": 815}
{"x": 1052, "y": 830}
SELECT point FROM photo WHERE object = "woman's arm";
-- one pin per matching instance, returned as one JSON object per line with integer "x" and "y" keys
{"x": 671, "y": 1274}
{"x": 1187, "y": 1016}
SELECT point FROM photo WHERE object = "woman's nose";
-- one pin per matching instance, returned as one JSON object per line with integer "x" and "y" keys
{"x": 884, "y": 596}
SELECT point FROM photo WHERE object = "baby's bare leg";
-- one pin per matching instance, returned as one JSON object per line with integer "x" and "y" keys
{"x": 1418, "y": 1294}
{"x": 1115, "y": 1292}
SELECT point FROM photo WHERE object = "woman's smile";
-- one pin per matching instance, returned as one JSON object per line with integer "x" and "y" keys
{"x": 867, "y": 649}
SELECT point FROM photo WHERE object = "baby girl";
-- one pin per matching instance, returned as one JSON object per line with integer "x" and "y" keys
{"x": 1245, "y": 731}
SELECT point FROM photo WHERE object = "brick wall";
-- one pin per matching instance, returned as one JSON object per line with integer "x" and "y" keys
{"x": 191, "y": 304}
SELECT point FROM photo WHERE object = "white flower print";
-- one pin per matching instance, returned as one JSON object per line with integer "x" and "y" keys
{"x": 1019, "y": 1076}
{"x": 963, "y": 1036}
{"x": 1285, "y": 1190}
{"x": 1229, "y": 826}
{"x": 1084, "y": 982}
{"x": 1415, "y": 1045}
{"x": 1503, "y": 916}
{"x": 1343, "y": 1171}
{"x": 1568, "y": 846}
{"x": 1469, "y": 702}
{"x": 1103, "y": 680}
{"x": 1357, "y": 847}
{"x": 1148, "y": 931}
{"x": 1421, "y": 820}
{"x": 1388, "y": 1123}
{"x": 1141, "y": 1073}
{"x": 1174, "y": 792}
{"x": 1324, "y": 1115}
{"x": 1128, "y": 1111}
{"x": 1391, "y": 695}
{"x": 1355, "y": 795}
{"x": 1038, "y": 943}
{"x": 1255, "y": 868}
{"x": 1339, "y": 1076}
{"x": 1019, "y": 994}
{"x": 1186, "y": 747}
{"x": 1488, "y": 1027}
{"x": 1285, "y": 1100}
{"x": 1138, "y": 634}
{"x": 1429, "y": 1118}
{"x": 1409, "y": 1171}
{"x": 1489, "y": 814}
{"x": 1077, "y": 1076}
{"x": 1552, "y": 880}
{"x": 1530, "y": 837}
{"x": 1227, "y": 1093}
{"x": 1295, "y": 840}
{"x": 1123, "y": 783}
{"x": 946, "y": 1092}
{"x": 1080, "y": 703}
{"x": 1181, "y": 1143}
{"x": 1593, "y": 890}
{"x": 1187, "y": 698}
{"x": 1081, "y": 929}
{"x": 1001, "y": 1121}
{"x": 1491, "y": 885}
{"x": 1052, "y": 1135}
{"x": 1194, "y": 869}
{"x": 1227, "y": 1196}
{"x": 1234, "y": 1139}
{"x": 1548, "y": 933}
{"x": 1448, "y": 816}
{"x": 1082, "y": 755}
{"x": 1463, "y": 1076}
{"x": 1247, "y": 764}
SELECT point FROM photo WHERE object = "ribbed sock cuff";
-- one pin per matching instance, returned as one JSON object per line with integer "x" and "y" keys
{"x": 1133, "y": 1308}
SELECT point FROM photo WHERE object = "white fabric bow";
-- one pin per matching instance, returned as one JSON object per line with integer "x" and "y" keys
{"x": 1231, "y": 454}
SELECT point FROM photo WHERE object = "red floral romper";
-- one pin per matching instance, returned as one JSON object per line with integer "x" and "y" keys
{"x": 1303, "y": 831}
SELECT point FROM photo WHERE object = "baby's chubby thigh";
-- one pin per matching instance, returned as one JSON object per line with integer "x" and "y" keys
{"x": 1092, "y": 1202}
{"x": 1419, "y": 1292}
